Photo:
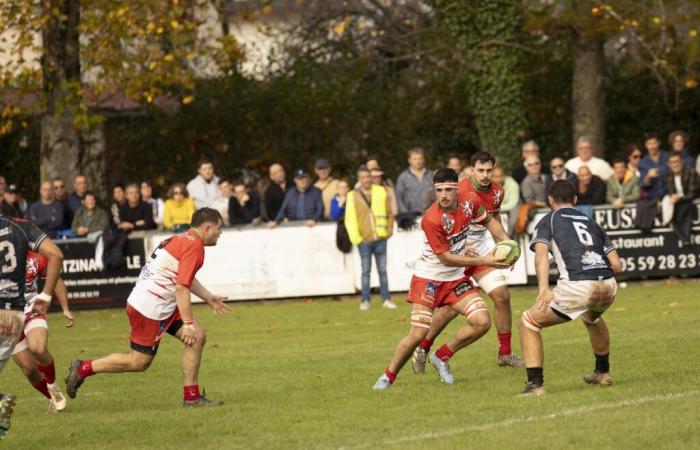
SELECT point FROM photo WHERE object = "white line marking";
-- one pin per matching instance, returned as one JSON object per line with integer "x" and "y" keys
{"x": 522, "y": 420}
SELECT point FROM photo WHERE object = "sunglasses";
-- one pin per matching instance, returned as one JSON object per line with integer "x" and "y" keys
{"x": 533, "y": 164}
{"x": 59, "y": 187}
{"x": 557, "y": 166}
{"x": 635, "y": 156}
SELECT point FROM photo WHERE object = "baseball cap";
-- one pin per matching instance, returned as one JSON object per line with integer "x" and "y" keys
{"x": 322, "y": 163}
{"x": 12, "y": 189}
{"x": 300, "y": 173}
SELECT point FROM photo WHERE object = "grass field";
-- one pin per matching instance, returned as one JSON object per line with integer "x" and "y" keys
{"x": 299, "y": 375}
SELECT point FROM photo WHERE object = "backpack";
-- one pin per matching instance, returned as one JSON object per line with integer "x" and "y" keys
{"x": 342, "y": 239}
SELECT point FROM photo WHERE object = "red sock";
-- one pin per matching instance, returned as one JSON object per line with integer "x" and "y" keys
{"x": 85, "y": 369}
{"x": 391, "y": 375}
{"x": 43, "y": 388}
{"x": 504, "y": 344}
{"x": 426, "y": 344}
{"x": 444, "y": 353}
{"x": 191, "y": 392}
{"x": 49, "y": 372}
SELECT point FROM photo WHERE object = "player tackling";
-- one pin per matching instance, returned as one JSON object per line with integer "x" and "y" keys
{"x": 492, "y": 280}
{"x": 586, "y": 288}
{"x": 439, "y": 278}
{"x": 161, "y": 303}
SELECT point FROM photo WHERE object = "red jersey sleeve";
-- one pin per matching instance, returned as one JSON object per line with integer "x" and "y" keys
{"x": 191, "y": 261}
{"x": 43, "y": 265}
{"x": 437, "y": 239}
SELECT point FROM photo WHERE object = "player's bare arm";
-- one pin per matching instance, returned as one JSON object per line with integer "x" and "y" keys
{"x": 50, "y": 250}
{"x": 451, "y": 260}
{"x": 614, "y": 260}
{"x": 495, "y": 227}
{"x": 183, "y": 297}
{"x": 61, "y": 293}
{"x": 215, "y": 302}
{"x": 542, "y": 270}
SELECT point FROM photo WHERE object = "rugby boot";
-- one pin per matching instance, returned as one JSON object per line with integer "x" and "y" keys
{"x": 74, "y": 380}
{"x": 57, "y": 397}
{"x": 7, "y": 402}
{"x": 443, "y": 369}
{"x": 202, "y": 402}
{"x": 532, "y": 390}
{"x": 382, "y": 383}
{"x": 603, "y": 379}
{"x": 418, "y": 360}
{"x": 510, "y": 360}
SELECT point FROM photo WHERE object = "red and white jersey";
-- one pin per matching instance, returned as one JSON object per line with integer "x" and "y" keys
{"x": 447, "y": 231}
{"x": 479, "y": 239}
{"x": 36, "y": 269}
{"x": 175, "y": 261}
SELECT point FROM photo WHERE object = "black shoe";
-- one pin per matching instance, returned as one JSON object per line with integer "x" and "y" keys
{"x": 74, "y": 380}
{"x": 7, "y": 402}
{"x": 532, "y": 390}
{"x": 201, "y": 402}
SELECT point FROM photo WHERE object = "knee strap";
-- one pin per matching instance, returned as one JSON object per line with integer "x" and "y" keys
{"x": 477, "y": 304}
{"x": 530, "y": 323}
{"x": 421, "y": 319}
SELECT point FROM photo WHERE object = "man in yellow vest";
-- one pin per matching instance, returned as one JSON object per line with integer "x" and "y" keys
{"x": 369, "y": 223}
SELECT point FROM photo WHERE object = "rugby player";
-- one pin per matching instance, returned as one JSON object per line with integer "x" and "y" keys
{"x": 161, "y": 303}
{"x": 31, "y": 353}
{"x": 490, "y": 279}
{"x": 586, "y": 261}
{"x": 439, "y": 278}
{"x": 17, "y": 237}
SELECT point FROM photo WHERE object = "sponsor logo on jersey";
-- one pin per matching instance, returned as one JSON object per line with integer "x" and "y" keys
{"x": 431, "y": 288}
{"x": 592, "y": 260}
{"x": 448, "y": 223}
{"x": 462, "y": 288}
{"x": 5, "y": 231}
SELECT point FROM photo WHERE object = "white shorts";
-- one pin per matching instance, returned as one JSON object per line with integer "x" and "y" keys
{"x": 573, "y": 298}
{"x": 7, "y": 344}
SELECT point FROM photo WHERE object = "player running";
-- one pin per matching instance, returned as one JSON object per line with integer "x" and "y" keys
{"x": 492, "y": 280}
{"x": 17, "y": 237}
{"x": 161, "y": 303}
{"x": 586, "y": 288}
{"x": 439, "y": 278}
{"x": 31, "y": 353}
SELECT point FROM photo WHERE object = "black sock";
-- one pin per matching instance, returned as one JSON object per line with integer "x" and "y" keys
{"x": 535, "y": 375}
{"x": 602, "y": 363}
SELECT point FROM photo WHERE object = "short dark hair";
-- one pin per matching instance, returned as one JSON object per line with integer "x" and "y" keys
{"x": 675, "y": 155}
{"x": 631, "y": 148}
{"x": 222, "y": 181}
{"x": 237, "y": 182}
{"x": 204, "y": 215}
{"x": 203, "y": 162}
{"x": 363, "y": 168}
{"x": 648, "y": 136}
{"x": 90, "y": 194}
{"x": 416, "y": 150}
{"x": 483, "y": 157}
{"x": 445, "y": 175}
{"x": 619, "y": 161}
{"x": 562, "y": 191}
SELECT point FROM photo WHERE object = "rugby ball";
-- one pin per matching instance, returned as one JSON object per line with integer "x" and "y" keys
{"x": 508, "y": 250}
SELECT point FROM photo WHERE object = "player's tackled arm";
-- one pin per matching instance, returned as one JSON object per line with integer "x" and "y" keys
{"x": 184, "y": 305}
{"x": 542, "y": 270}
{"x": 53, "y": 271}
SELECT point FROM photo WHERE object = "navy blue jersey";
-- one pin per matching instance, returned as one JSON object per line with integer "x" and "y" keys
{"x": 579, "y": 246}
{"x": 17, "y": 237}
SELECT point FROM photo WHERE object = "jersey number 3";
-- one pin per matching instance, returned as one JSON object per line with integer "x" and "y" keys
{"x": 583, "y": 235}
{"x": 8, "y": 258}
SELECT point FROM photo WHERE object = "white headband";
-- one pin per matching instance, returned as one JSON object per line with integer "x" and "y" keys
{"x": 447, "y": 184}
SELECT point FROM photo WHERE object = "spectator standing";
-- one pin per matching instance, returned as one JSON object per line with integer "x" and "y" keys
{"x": 61, "y": 194}
{"x": 47, "y": 213}
{"x": 339, "y": 201}
{"x": 118, "y": 200}
{"x": 75, "y": 198}
{"x": 179, "y": 209}
{"x": 678, "y": 142}
{"x": 222, "y": 203}
{"x": 157, "y": 204}
{"x": 204, "y": 188}
{"x": 584, "y": 151}
{"x": 89, "y": 219}
{"x": 275, "y": 192}
{"x": 379, "y": 178}
{"x": 455, "y": 163}
{"x": 414, "y": 187}
{"x": 135, "y": 214}
{"x": 529, "y": 148}
{"x": 634, "y": 156}
{"x": 243, "y": 206}
{"x": 590, "y": 189}
{"x": 369, "y": 223}
{"x": 683, "y": 186}
{"x": 302, "y": 202}
{"x": 533, "y": 190}
{"x": 653, "y": 169}
{"x": 623, "y": 186}
{"x": 560, "y": 172}
{"x": 9, "y": 206}
{"x": 326, "y": 183}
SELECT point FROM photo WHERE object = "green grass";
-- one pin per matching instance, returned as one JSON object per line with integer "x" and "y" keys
{"x": 299, "y": 375}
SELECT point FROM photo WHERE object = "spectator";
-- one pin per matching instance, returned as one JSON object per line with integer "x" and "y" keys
{"x": 379, "y": 178}
{"x": 326, "y": 183}
{"x": 634, "y": 155}
{"x": 275, "y": 192}
{"x": 22, "y": 204}
{"x": 9, "y": 206}
{"x": 683, "y": 186}
{"x": 3, "y": 185}
{"x": 47, "y": 213}
{"x": 203, "y": 188}
{"x": 118, "y": 199}
{"x": 584, "y": 151}
{"x": 369, "y": 224}
{"x": 653, "y": 169}
{"x": 590, "y": 189}
{"x": 89, "y": 219}
{"x": 157, "y": 204}
{"x": 678, "y": 141}
{"x": 75, "y": 199}
{"x": 623, "y": 186}
{"x": 529, "y": 148}
{"x": 338, "y": 202}
{"x": 560, "y": 172}
{"x": 135, "y": 214}
{"x": 302, "y": 202}
{"x": 372, "y": 163}
{"x": 179, "y": 209}
{"x": 455, "y": 163}
{"x": 533, "y": 186}
{"x": 223, "y": 202}
{"x": 511, "y": 190}
{"x": 243, "y": 207}
{"x": 414, "y": 187}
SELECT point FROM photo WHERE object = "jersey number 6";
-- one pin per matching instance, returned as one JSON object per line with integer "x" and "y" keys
{"x": 583, "y": 235}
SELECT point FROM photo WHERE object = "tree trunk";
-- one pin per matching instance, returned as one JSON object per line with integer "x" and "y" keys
{"x": 588, "y": 93}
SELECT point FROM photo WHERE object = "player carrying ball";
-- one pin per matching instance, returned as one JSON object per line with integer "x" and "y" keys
{"x": 586, "y": 288}
{"x": 439, "y": 278}
{"x": 161, "y": 303}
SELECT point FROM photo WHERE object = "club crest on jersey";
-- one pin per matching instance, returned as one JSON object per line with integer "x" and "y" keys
{"x": 592, "y": 260}
{"x": 497, "y": 197}
{"x": 448, "y": 223}
{"x": 32, "y": 268}
{"x": 468, "y": 208}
